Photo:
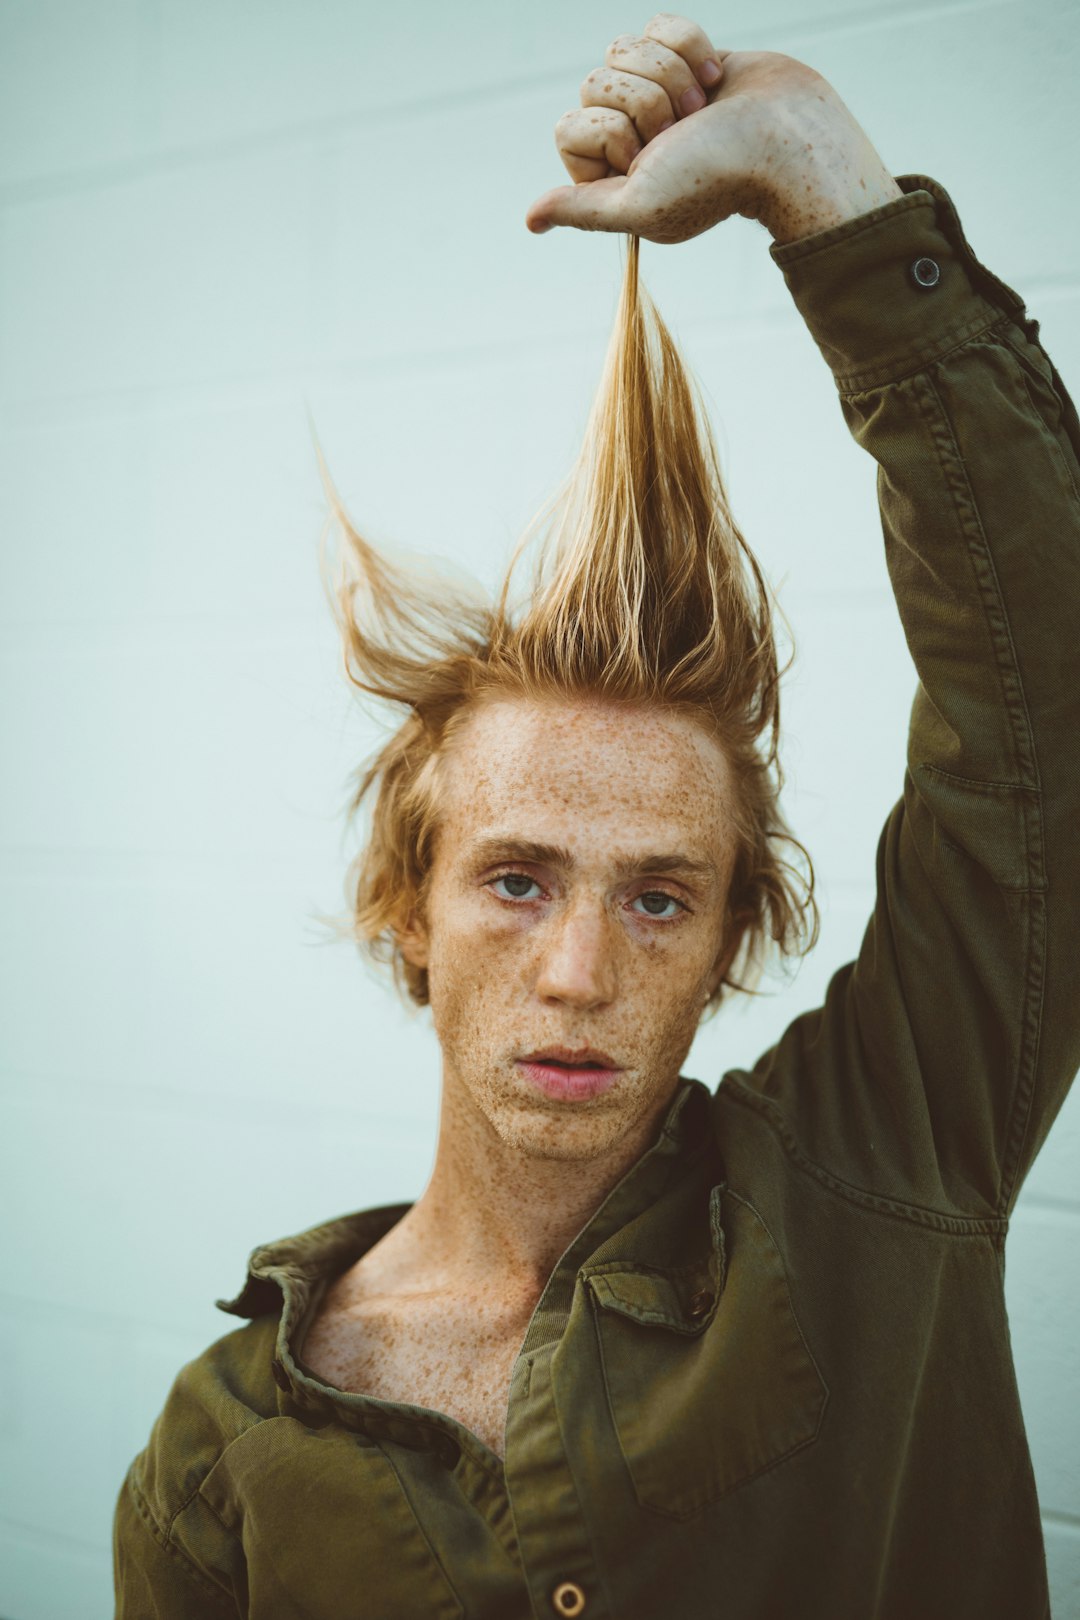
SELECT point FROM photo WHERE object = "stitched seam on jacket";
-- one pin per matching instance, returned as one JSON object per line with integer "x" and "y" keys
{"x": 1020, "y": 1115}
{"x": 969, "y": 522}
{"x": 913, "y": 361}
{"x": 1015, "y": 703}
{"x": 1028, "y": 370}
{"x": 165, "y": 1541}
{"x": 876, "y": 1203}
{"x": 990, "y": 789}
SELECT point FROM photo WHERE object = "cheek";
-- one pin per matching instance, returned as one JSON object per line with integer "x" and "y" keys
{"x": 469, "y": 966}
{"x": 671, "y": 992}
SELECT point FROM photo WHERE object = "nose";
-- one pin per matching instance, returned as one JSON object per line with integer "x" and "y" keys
{"x": 577, "y": 962}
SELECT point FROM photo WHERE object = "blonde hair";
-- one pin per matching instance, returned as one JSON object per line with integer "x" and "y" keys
{"x": 643, "y": 592}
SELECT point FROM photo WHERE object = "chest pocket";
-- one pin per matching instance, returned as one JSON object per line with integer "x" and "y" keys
{"x": 709, "y": 1378}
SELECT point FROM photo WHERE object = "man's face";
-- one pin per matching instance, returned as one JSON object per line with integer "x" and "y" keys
{"x": 576, "y": 905}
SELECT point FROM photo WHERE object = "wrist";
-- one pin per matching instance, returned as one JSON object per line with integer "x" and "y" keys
{"x": 823, "y": 171}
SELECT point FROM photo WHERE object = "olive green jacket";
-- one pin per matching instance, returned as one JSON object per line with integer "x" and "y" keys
{"x": 772, "y": 1376}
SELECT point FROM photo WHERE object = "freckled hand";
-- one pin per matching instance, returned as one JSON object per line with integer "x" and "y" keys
{"x": 674, "y": 135}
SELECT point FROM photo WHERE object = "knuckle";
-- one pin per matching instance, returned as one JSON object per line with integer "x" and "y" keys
{"x": 677, "y": 33}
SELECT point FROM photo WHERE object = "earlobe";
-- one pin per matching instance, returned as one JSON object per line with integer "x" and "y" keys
{"x": 412, "y": 942}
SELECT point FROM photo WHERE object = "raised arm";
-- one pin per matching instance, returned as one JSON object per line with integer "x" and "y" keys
{"x": 940, "y": 1058}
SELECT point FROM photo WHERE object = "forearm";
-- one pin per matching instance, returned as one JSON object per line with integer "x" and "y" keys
{"x": 942, "y": 380}
{"x": 977, "y": 445}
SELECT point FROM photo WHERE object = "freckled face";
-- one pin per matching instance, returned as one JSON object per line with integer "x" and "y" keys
{"x": 576, "y": 900}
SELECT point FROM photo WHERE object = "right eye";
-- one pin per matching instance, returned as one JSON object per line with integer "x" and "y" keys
{"x": 516, "y": 886}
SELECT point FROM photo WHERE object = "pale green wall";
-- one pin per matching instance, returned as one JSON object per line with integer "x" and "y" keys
{"x": 213, "y": 215}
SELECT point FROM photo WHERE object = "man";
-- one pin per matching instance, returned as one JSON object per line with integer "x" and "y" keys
{"x": 642, "y": 1349}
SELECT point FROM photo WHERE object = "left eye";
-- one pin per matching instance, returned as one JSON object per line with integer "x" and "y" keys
{"x": 655, "y": 901}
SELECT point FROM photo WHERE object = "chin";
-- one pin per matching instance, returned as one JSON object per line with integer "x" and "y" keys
{"x": 571, "y": 1135}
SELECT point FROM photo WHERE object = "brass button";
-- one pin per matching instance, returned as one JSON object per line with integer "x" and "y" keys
{"x": 700, "y": 1304}
{"x": 568, "y": 1598}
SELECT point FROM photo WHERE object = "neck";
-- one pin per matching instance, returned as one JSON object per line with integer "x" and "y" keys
{"x": 496, "y": 1219}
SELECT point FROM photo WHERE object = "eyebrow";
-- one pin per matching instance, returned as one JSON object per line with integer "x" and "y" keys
{"x": 674, "y": 864}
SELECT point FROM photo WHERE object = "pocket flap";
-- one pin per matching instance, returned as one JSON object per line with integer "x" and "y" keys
{"x": 684, "y": 1302}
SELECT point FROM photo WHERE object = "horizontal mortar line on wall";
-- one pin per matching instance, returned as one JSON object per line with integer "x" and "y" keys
{"x": 210, "y": 1106}
{"x": 292, "y": 385}
{"x": 1069, "y": 1522}
{"x": 33, "y": 637}
{"x": 39, "y": 1535}
{"x": 168, "y": 868}
{"x": 272, "y": 630}
{"x": 127, "y": 1325}
{"x": 888, "y": 18}
{"x": 1035, "y": 1202}
{"x": 313, "y": 132}
{"x": 142, "y": 1329}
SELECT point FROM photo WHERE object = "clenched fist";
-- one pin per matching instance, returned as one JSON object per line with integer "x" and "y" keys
{"x": 674, "y": 134}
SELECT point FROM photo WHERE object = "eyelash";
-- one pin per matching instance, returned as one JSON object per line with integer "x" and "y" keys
{"x": 521, "y": 899}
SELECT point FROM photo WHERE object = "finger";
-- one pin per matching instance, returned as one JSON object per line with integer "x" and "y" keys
{"x": 690, "y": 42}
{"x": 648, "y": 59}
{"x": 642, "y": 100}
{"x": 596, "y": 207}
{"x": 595, "y": 141}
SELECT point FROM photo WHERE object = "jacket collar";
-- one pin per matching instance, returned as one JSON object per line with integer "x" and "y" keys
{"x": 621, "y": 1253}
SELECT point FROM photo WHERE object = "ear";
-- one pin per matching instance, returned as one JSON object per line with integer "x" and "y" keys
{"x": 412, "y": 941}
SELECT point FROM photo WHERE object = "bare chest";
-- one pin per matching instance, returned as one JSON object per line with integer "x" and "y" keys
{"x": 426, "y": 1359}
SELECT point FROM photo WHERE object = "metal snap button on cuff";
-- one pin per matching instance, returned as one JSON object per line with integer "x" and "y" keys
{"x": 568, "y": 1599}
{"x": 700, "y": 1304}
{"x": 926, "y": 272}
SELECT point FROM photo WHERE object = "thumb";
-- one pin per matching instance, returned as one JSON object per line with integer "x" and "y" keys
{"x": 592, "y": 205}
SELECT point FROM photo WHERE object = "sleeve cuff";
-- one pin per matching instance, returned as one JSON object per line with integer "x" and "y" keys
{"x": 890, "y": 291}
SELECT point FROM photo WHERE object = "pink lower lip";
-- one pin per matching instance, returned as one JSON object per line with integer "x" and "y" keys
{"x": 565, "y": 1084}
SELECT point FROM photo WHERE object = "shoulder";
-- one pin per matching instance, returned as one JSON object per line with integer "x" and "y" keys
{"x": 214, "y": 1399}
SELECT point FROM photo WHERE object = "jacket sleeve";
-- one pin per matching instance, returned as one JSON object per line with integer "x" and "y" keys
{"x": 153, "y": 1578}
{"x": 941, "y": 1056}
